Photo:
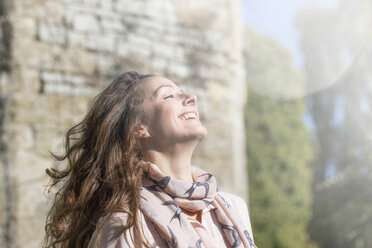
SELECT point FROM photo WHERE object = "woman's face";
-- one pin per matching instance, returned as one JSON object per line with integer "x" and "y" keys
{"x": 172, "y": 115}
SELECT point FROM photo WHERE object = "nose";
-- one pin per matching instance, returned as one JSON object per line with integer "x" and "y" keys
{"x": 190, "y": 99}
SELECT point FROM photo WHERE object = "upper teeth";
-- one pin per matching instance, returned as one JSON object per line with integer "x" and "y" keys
{"x": 188, "y": 116}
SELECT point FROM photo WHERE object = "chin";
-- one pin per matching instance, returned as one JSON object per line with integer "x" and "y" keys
{"x": 202, "y": 133}
{"x": 197, "y": 135}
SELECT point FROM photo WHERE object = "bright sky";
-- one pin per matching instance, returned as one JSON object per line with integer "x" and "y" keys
{"x": 277, "y": 20}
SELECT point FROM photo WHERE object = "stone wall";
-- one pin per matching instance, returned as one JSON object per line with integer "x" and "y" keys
{"x": 6, "y": 189}
{"x": 57, "y": 54}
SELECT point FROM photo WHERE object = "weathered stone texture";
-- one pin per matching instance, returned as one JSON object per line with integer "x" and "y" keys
{"x": 63, "y": 52}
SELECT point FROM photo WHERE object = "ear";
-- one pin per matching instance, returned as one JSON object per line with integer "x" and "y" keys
{"x": 141, "y": 132}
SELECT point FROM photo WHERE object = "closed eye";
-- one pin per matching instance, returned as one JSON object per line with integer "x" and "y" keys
{"x": 170, "y": 96}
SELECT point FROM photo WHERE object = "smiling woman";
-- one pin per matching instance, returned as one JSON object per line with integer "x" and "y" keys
{"x": 129, "y": 181}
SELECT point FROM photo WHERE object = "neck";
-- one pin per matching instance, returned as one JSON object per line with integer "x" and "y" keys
{"x": 174, "y": 161}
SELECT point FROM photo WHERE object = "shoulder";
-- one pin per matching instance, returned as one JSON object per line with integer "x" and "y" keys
{"x": 114, "y": 222}
{"x": 239, "y": 209}
{"x": 110, "y": 232}
{"x": 116, "y": 219}
{"x": 235, "y": 201}
{"x": 107, "y": 233}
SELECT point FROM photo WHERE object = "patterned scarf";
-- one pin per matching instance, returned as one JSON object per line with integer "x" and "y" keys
{"x": 162, "y": 198}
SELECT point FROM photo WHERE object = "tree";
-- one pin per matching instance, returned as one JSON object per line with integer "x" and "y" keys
{"x": 278, "y": 150}
{"x": 338, "y": 53}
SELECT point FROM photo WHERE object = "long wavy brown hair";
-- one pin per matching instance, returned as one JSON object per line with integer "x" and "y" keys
{"x": 102, "y": 175}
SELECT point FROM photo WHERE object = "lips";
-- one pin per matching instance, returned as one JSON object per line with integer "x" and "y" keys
{"x": 189, "y": 115}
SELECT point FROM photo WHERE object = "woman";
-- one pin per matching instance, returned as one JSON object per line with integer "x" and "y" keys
{"x": 130, "y": 182}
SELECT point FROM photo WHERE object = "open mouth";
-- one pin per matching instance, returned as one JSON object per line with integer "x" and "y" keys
{"x": 189, "y": 115}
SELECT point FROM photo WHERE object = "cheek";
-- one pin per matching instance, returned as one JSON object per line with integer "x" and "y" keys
{"x": 162, "y": 118}
{"x": 166, "y": 111}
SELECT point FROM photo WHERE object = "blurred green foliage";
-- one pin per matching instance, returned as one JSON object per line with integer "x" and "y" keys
{"x": 338, "y": 50}
{"x": 278, "y": 150}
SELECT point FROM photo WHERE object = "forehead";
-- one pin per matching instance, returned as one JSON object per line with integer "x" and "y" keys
{"x": 151, "y": 84}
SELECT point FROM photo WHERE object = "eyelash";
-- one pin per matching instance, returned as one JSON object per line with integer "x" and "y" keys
{"x": 172, "y": 96}
{"x": 168, "y": 97}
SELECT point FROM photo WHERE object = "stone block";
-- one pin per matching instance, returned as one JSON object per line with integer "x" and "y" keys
{"x": 26, "y": 26}
{"x": 51, "y": 11}
{"x": 110, "y": 24}
{"x": 30, "y": 80}
{"x": 71, "y": 110}
{"x": 85, "y": 22}
{"x": 49, "y": 110}
{"x": 70, "y": 13}
{"x": 141, "y": 41}
{"x": 51, "y": 77}
{"x": 106, "y": 5}
{"x": 84, "y": 91}
{"x": 23, "y": 54}
{"x": 22, "y": 138}
{"x": 129, "y": 49}
{"x": 3, "y": 209}
{"x": 62, "y": 89}
{"x": 125, "y": 6}
{"x": 61, "y": 78}
{"x": 179, "y": 70}
{"x": 189, "y": 39}
{"x": 43, "y": 55}
{"x": 66, "y": 89}
{"x": 32, "y": 189}
{"x": 51, "y": 33}
{"x": 77, "y": 80}
{"x": 92, "y": 3}
{"x": 144, "y": 26}
{"x": 32, "y": 231}
{"x": 80, "y": 61}
{"x": 23, "y": 80}
{"x": 105, "y": 63}
{"x": 168, "y": 51}
{"x": 162, "y": 12}
{"x": 100, "y": 43}
{"x": 32, "y": 208}
{"x": 4, "y": 81}
{"x": 48, "y": 138}
{"x": 172, "y": 38}
{"x": 159, "y": 64}
{"x": 76, "y": 38}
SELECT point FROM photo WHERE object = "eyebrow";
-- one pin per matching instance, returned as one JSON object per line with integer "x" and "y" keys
{"x": 161, "y": 86}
